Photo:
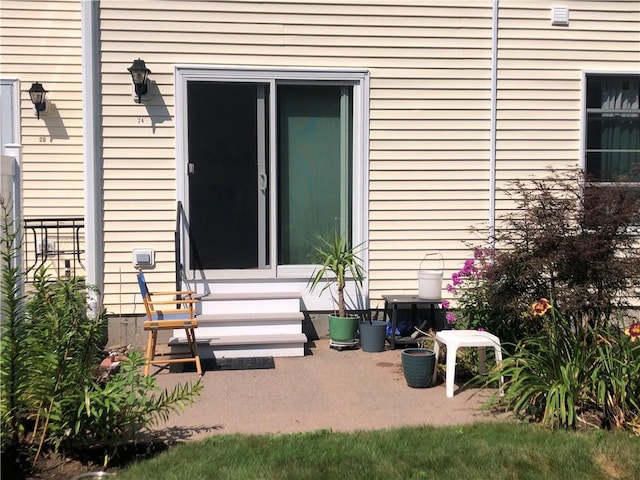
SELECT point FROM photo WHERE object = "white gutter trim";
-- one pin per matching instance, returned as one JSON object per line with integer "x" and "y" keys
{"x": 92, "y": 141}
{"x": 494, "y": 107}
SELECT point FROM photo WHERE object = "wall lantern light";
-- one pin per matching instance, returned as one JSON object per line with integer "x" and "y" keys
{"x": 38, "y": 96}
{"x": 139, "y": 73}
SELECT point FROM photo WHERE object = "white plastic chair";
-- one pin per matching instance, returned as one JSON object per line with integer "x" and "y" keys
{"x": 455, "y": 339}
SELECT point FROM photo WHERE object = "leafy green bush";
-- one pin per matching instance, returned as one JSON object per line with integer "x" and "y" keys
{"x": 12, "y": 332}
{"x": 51, "y": 393}
{"x": 576, "y": 245}
{"x": 63, "y": 348}
{"x": 566, "y": 376}
{"x": 127, "y": 402}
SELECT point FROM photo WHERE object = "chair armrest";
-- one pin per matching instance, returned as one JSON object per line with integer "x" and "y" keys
{"x": 178, "y": 292}
{"x": 174, "y": 302}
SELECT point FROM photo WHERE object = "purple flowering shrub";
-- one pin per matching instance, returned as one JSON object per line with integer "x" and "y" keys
{"x": 470, "y": 287}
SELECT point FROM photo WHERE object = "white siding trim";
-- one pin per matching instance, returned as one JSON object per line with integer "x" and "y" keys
{"x": 14, "y": 102}
{"x": 94, "y": 267}
{"x": 495, "y": 12}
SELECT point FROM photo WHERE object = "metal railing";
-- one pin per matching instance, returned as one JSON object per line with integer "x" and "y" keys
{"x": 178, "y": 245}
{"x": 181, "y": 236}
{"x": 54, "y": 243}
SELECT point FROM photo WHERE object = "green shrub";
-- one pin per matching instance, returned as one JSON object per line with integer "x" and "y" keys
{"x": 110, "y": 414}
{"x": 51, "y": 394}
{"x": 12, "y": 332}
{"x": 568, "y": 375}
{"x": 578, "y": 246}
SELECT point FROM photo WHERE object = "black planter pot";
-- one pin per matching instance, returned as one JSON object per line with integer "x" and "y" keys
{"x": 418, "y": 365}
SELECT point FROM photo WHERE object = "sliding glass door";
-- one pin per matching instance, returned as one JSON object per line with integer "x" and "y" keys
{"x": 269, "y": 168}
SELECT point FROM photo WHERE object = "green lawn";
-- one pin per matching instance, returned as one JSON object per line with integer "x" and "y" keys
{"x": 487, "y": 450}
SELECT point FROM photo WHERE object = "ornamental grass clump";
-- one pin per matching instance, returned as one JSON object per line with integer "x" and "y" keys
{"x": 572, "y": 375}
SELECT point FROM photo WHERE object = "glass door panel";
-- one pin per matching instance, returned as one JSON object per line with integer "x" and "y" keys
{"x": 314, "y": 168}
{"x": 228, "y": 184}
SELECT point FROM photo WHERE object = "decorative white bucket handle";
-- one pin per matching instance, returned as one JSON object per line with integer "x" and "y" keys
{"x": 430, "y": 254}
{"x": 430, "y": 281}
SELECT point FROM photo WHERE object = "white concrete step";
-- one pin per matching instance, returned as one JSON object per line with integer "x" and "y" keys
{"x": 242, "y": 323}
{"x": 247, "y": 324}
{"x": 256, "y": 302}
{"x": 235, "y": 346}
{"x": 211, "y": 325}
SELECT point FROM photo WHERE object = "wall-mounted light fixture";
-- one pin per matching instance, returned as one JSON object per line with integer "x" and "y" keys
{"x": 38, "y": 96}
{"x": 139, "y": 73}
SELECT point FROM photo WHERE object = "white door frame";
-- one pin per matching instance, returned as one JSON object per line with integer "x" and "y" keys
{"x": 358, "y": 77}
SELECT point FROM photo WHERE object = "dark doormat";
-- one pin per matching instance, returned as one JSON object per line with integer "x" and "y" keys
{"x": 249, "y": 363}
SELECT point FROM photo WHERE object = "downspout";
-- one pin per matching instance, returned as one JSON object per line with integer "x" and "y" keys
{"x": 92, "y": 148}
{"x": 494, "y": 107}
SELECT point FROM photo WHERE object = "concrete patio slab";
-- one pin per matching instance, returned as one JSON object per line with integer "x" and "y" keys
{"x": 345, "y": 390}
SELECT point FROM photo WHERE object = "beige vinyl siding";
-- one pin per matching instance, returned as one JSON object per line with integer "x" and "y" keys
{"x": 540, "y": 74}
{"x": 430, "y": 68}
{"x": 41, "y": 42}
{"x": 429, "y": 118}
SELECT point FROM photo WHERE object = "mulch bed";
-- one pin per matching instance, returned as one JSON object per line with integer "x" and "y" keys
{"x": 52, "y": 466}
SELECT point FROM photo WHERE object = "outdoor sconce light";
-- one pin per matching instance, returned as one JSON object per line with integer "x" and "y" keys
{"x": 139, "y": 73}
{"x": 38, "y": 96}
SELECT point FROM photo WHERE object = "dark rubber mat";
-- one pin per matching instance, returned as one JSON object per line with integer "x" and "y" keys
{"x": 249, "y": 363}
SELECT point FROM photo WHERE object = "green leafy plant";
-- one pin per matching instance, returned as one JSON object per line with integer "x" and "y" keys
{"x": 337, "y": 260}
{"x": 71, "y": 408}
{"x": 12, "y": 332}
{"x": 64, "y": 347}
{"x": 105, "y": 415}
{"x": 567, "y": 376}
{"x": 615, "y": 377}
{"x": 52, "y": 394}
{"x": 562, "y": 239}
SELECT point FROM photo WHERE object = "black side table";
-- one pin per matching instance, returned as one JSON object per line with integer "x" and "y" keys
{"x": 391, "y": 305}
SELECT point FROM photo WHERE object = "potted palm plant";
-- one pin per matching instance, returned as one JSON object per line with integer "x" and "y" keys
{"x": 338, "y": 261}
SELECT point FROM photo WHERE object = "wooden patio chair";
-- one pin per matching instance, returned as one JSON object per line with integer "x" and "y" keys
{"x": 168, "y": 311}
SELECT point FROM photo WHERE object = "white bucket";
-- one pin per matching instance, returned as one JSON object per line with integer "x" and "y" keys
{"x": 430, "y": 281}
